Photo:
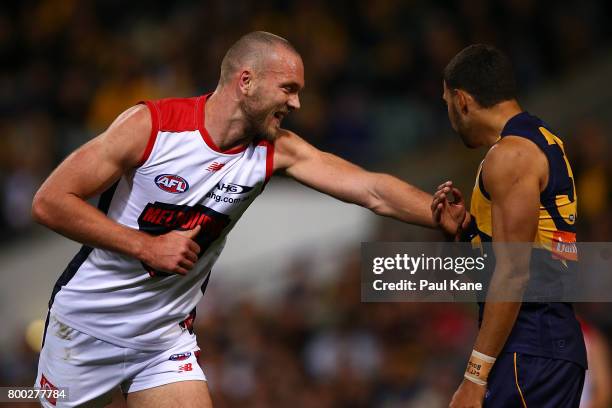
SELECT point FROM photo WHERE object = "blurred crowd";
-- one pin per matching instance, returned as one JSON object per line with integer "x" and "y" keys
{"x": 373, "y": 95}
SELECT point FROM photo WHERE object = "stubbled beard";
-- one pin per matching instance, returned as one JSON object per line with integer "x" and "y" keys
{"x": 255, "y": 122}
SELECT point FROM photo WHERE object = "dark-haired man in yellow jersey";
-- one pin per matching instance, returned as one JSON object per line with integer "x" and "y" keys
{"x": 527, "y": 354}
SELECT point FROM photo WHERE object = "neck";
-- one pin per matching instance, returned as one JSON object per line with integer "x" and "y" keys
{"x": 224, "y": 120}
{"x": 495, "y": 118}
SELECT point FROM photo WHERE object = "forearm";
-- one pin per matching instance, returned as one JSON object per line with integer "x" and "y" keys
{"x": 497, "y": 323}
{"x": 402, "y": 201}
{"x": 504, "y": 297}
{"x": 76, "y": 219}
{"x": 500, "y": 314}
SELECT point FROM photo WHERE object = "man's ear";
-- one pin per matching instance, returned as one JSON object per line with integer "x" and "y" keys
{"x": 245, "y": 82}
{"x": 463, "y": 101}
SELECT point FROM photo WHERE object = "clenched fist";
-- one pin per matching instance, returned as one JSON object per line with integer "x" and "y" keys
{"x": 174, "y": 252}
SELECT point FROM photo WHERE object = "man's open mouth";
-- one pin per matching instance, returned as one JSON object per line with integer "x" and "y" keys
{"x": 280, "y": 115}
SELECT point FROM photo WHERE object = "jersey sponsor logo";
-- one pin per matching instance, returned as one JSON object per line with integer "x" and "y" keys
{"x": 180, "y": 356}
{"x": 564, "y": 246}
{"x": 171, "y": 183}
{"x": 226, "y": 189}
{"x": 232, "y": 188}
{"x": 215, "y": 166}
{"x": 222, "y": 198}
{"x": 160, "y": 218}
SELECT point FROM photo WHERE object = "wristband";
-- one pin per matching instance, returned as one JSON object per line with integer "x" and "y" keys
{"x": 468, "y": 233}
{"x": 478, "y": 368}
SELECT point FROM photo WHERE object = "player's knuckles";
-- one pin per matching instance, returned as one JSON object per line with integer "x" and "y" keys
{"x": 185, "y": 248}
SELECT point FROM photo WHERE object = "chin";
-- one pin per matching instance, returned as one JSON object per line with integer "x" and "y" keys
{"x": 468, "y": 144}
{"x": 467, "y": 141}
{"x": 272, "y": 131}
{"x": 270, "y": 134}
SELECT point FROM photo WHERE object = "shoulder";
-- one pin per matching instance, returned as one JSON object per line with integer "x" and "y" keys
{"x": 514, "y": 157}
{"x": 176, "y": 114}
{"x": 135, "y": 118}
{"x": 129, "y": 134}
{"x": 287, "y": 142}
{"x": 289, "y": 148}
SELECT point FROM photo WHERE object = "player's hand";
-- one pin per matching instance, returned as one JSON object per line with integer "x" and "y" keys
{"x": 468, "y": 395}
{"x": 174, "y": 252}
{"x": 448, "y": 216}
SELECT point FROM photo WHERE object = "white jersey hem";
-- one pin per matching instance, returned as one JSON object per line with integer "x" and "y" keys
{"x": 112, "y": 339}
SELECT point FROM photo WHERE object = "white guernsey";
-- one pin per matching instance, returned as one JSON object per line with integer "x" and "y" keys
{"x": 183, "y": 181}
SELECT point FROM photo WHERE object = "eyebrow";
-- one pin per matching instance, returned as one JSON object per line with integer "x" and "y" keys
{"x": 293, "y": 85}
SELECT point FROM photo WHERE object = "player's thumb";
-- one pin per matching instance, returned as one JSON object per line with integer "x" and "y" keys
{"x": 192, "y": 233}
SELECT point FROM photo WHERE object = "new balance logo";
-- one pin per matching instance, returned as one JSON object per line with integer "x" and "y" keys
{"x": 215, "y": 166}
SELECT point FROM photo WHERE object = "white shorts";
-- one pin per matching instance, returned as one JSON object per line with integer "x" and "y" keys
{"x": 91, "y": 369}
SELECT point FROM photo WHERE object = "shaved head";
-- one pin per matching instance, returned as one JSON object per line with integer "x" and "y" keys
{"x": 263, "y": 74}
{"x": 251, "y": 50}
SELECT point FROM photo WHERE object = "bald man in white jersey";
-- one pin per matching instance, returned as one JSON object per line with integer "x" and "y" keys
{"x": 176, "y": 176}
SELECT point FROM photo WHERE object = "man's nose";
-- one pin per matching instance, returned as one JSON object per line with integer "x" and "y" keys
{"x": 294, "y": 101}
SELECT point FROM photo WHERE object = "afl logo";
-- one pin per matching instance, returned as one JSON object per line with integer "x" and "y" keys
{"x": 171, "y": 183}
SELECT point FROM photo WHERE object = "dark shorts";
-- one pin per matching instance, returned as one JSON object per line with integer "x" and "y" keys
{"x": 521, "y": 380}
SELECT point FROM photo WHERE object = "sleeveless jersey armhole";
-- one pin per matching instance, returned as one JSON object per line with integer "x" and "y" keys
{"x": 550, "y": 183}
{"x": 155, "y": 126}
{"x": 269, "y": 161}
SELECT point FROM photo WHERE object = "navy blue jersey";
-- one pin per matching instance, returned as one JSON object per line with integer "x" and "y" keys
{"x": 546, "y": 329}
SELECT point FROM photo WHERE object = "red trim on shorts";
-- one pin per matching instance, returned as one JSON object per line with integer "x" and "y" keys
{"x": 200, "y": 103}
{"x": 155, "y": 119}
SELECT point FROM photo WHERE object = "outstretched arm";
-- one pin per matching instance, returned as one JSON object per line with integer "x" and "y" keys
{"x": 61, "y": 205}
{"x": 382, "y": 193}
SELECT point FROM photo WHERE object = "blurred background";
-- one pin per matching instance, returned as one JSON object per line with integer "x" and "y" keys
{"x": 282, "y": 323}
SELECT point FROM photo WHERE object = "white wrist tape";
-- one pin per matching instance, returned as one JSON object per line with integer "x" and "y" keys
{"x": 478, "y": 367}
